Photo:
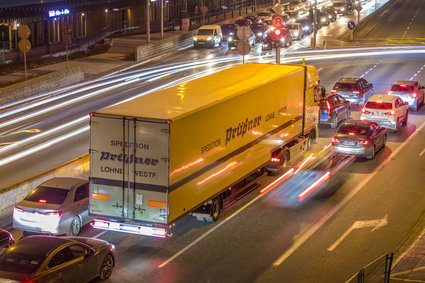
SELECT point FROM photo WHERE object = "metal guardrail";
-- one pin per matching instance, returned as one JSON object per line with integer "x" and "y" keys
{"x": 377, "y": 271}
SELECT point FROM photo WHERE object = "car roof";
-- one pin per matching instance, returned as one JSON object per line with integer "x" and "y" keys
{"x": 348, "y": 80}
{"x": 405, "y": 82}
{"x": 209, "y": 27}
{"x": 383, "y": 97}
{"x": 38, "y": 245}
{"x": 64, "y": 182}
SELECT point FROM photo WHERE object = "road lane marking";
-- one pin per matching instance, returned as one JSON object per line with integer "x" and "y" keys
{"x": 376, "y": 224}
{"x": 417, "y": 73}
{"x": 100, "y": 234}
{"x": 303, "y": 238}
{"x": 422, "y": 152}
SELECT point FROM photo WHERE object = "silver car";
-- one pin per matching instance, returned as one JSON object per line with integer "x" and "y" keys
{"x": 355, "y": 90}
{"x": 361, "y": 138}
{"x": 57, "y": 259}
{"x": 57, "y": 206}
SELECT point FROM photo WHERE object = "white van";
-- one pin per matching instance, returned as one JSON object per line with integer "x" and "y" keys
{"x": 208, "y": 36}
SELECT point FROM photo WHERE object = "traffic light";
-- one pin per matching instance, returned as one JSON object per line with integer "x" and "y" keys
{"x": 277, "y": 33}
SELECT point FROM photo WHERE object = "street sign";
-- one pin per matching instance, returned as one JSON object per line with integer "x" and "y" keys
{"x": 278, "y": 8}
{"x": 351, "y": 25}
{"x": 243, "y": 48}
{"x": 24, "y": 45}
{"x": 358, "y": 8}
{"x": 277, "y": 21}
{"x": 243, "y": 33}
{"x": 24, "y": 31}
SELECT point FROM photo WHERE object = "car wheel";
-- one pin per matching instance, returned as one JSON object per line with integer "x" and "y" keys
{"x": 3, "y": 249}
{"x": 75, "y": 227}
{"x": 405, "y": 120}
{"x": 107, "y": 267}
{"x": 384, "y": 142}
{"x": 416, "y": 106}
{"x": 334, "y": 123}
{"x": 372, "y": 155}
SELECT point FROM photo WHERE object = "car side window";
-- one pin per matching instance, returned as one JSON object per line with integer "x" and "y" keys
{"x": 359, "y": 85}
{"x": 61, "y": 257}
{"x": 334, "y": 100}
{"x": 78, "y": 251}
{"x": 397, "y": 103}
{"x": 341, "y": 99}
{"x": 81, "y": 192}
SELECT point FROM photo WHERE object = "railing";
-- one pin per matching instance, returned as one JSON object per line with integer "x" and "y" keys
{"x": 375, "y": 272}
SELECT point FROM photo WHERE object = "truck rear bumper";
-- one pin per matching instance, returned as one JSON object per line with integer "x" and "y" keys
{"x": 154, "y": 230}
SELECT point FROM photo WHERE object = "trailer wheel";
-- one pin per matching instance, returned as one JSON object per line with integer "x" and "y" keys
{"x": 215, "y": 210}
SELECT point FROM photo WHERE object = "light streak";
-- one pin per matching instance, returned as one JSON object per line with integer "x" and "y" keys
{"x": 313, "y": 186}
{"x": 279, "y": 180}
{"x": 228, "y": 167}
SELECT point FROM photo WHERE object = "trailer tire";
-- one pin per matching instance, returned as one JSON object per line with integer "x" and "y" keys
{"x": 284, "y": 156}
{"x": 215, "y": 210}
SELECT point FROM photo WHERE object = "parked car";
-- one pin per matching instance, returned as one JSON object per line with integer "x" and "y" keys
{"x": 355, "y": 90}
{"x": 387, "y": 110}
{"x": 259, "y": 29}
{"x": 6, "y": 240}
{"x": 410, "y": 91}
{"x": 57, "y": 206}
{"x": 333, "y": 109}
{"x": 208, "y": 36}
{"x": 296, "y": 30}
{"x": 361, "y": 138}
{"x": 58, "y": 259}
{"x": 285, "y": 40}
{"x": 228, "y": 30}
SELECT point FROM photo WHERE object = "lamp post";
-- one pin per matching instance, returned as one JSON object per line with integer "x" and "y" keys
{"x": 162, "y": 18}
{"x": 148, "y": 22}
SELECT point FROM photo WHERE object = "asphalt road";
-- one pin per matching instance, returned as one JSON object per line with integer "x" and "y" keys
{"x": 263, "y": 237}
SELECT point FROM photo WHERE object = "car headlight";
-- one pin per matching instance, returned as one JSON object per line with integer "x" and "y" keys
{"x": 306, "y": 28}
{"x": 229, "y": 39}
{"x": 260, "y": 34}
{"x": 296, "y": 33}
{"x": 342, "y": 9}
{"x": 282, "y": 39}
{"x": 209, "y": 38}
{"x": 231, "y": 33}
{"x": 323, "y": 20}
{"x": 195, "y": 39}
{"x": 330, "y": 17}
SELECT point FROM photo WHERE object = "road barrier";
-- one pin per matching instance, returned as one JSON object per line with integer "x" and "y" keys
{"x": 377, "y": 271}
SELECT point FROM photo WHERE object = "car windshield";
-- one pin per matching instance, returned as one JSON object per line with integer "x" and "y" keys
{"x": 402, "y": 88}
{"x": 356, "y": 129}
{"x": 379, "y": 105}
{"x": 344, "y": 86}
{"x": 227, "y": 29}
{"x": 205, "y": 32}
{"x": 20, "y": 263}
{"x": 48, "y": 195}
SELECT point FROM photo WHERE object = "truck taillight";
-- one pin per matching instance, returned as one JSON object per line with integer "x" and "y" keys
{"x": 335, "y": 140}
{"x": 275, "y": 160}
{"x": 334, "y": 91}
{"x": 391, "y": 113}
{"x": 414, "y": 95}
{"x": 364, "y": 142}
{"x": 355, "y": 92}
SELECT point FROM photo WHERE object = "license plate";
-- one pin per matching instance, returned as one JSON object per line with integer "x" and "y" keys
{"x": 201, "y": 43}
{"x": 350, "y": 143}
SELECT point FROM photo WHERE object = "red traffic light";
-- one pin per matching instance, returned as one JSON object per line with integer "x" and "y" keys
{"x": 277, "y": 32}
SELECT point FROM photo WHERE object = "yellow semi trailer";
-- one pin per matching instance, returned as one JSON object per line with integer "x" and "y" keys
{"x": 162, "y": 156}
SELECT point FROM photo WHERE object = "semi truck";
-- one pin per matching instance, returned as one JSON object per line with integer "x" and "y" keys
{"x": 187, "y": 149}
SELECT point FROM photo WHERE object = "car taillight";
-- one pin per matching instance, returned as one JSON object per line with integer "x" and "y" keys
{"x": 414, "y": 95}
{"x": 328, "y": 105}
{"x": 334, "y": 91}
{"x": 335, "y": 140}
{"x": 355, "y": 92}
{"x": 18, "y": 209}
{"x": 363, "y": 142}
{"x": 391, "y": 113}
{"x": 54, "y": 213}
{"x": 365, "y": 111}
{"x": 275, "y": 160}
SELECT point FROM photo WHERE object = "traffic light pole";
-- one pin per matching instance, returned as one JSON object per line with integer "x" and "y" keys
{"x": 315, "y": 25}
{"x": 277, "y": 55}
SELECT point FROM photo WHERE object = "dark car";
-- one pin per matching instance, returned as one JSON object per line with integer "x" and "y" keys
{"x": 259, "y": 29}
{"x": 307, "y": 26}
{"x": 253, "y": 18}
{"x": 6, "y": 240}
{"x": 233, "y": 40}
{"x": 355, "y": 90}
{"x": 332, "y": 14}
{"x": 333, "y": 109}
{"x": 243, "y": 22}
{"x": 228, "y": 30}
{"x": 324, "y": 18}
{"x": 58, "y": 259}
{"x": 361, "y": 138}
{"x": 269, "y": 38}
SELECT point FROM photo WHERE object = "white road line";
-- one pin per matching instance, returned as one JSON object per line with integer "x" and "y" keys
{"x": 301, "y": 240}
{"x": 100, "y": 234}
{"x": 422, "y": 152}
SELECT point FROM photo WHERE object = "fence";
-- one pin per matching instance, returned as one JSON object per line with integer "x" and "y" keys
{"x": 375, "y": 272}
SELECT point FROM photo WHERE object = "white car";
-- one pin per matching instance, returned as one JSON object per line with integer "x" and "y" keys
{"x": 388, "y": 111}
{"x": 410, "y": 91}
